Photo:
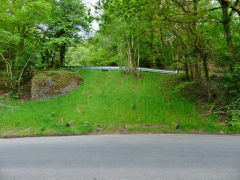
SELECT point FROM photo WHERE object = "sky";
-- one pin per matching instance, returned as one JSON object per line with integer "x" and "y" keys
{"x": 91, "y": 4}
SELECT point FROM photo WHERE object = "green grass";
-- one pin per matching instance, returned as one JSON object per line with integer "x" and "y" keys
{"x": 109, "y": 102}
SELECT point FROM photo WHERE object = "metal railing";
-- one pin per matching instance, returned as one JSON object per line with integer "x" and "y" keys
{"x": 112, "y": 68}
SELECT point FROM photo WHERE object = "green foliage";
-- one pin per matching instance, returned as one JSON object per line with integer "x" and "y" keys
{"x": 35, "y": 35}
{"x": 69, "y": 22}
{"x": 233, "y": 111}
{"x": 235, "y": 118}
{"x": 19, "y": 38}
{"x": 231, "y": 83}
{"x": 100, "y": 53}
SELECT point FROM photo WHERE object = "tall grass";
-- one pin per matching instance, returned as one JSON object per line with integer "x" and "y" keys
{"x": 109, "y": 102}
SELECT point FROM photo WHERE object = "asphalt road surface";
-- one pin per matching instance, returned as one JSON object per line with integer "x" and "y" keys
{"x": 121, "y": 157}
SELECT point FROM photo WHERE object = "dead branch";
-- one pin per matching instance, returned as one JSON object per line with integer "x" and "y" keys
{"x": 223, "y": 110}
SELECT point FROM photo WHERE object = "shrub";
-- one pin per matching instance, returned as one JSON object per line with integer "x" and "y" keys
{"x": 231, "y": 83}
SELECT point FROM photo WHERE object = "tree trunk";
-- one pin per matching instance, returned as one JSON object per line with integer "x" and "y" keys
{"x": 227, "y": 29}
{"x": 138, "y": 56}
{"x": 62, "y": 54}
{"x": 187, "y": 71}
{"x": 21, "y": 43}
{"x": 197, "y": 70}
{"x": 191, "y": 70}
{"x": 10, "y": 51}
{"x": 131, "y": 58}
{"x": 205, "y": 66}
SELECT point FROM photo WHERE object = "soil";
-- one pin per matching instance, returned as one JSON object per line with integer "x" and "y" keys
{"x": 24, "y": 92}
{"x": 3, "y": 89}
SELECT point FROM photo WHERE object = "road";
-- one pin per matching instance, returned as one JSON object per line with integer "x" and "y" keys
{"x": 121, "y": 157}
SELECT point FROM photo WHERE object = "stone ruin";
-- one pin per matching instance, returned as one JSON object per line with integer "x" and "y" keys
{"x": 51, "y": 84}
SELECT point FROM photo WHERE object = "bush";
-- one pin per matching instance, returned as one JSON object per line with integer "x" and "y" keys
{"x": 231, "y": 84}
{"x": 234, "y": 113}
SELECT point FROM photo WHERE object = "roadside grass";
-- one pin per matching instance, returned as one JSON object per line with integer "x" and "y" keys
{"x": 110, "y": 102}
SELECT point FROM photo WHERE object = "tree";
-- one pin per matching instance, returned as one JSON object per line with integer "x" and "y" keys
{"x": 18, "y": 26}
{"x": 69, "y": 21}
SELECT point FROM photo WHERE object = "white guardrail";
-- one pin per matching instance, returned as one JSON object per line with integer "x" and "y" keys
{"x": 111, "y": 68}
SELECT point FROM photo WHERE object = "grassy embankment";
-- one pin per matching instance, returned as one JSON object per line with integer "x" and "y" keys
{"x": 109, "y": 102}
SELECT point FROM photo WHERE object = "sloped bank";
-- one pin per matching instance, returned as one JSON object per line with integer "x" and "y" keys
{"x": 111, "y": 102}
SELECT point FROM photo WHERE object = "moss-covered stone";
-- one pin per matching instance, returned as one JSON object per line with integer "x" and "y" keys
{"x": 50, "y": 84}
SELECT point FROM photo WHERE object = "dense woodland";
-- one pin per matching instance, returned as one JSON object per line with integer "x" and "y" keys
{"x": 198, "y": 37}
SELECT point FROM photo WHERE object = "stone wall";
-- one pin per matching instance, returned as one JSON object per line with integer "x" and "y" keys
{"x": 51, "y": 84}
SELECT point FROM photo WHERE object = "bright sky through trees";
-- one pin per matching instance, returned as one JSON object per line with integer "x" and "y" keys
{"x": 91, "y": 4}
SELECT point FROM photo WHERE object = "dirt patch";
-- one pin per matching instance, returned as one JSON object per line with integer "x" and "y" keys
{"x": 25, "y": 91}
{"x": 3, "y": 88}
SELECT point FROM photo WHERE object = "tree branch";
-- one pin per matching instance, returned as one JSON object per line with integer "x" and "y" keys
{"x": 232, "y": 6}
{"x": 20, "y": 76}
{"x": 215, "y": 8}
